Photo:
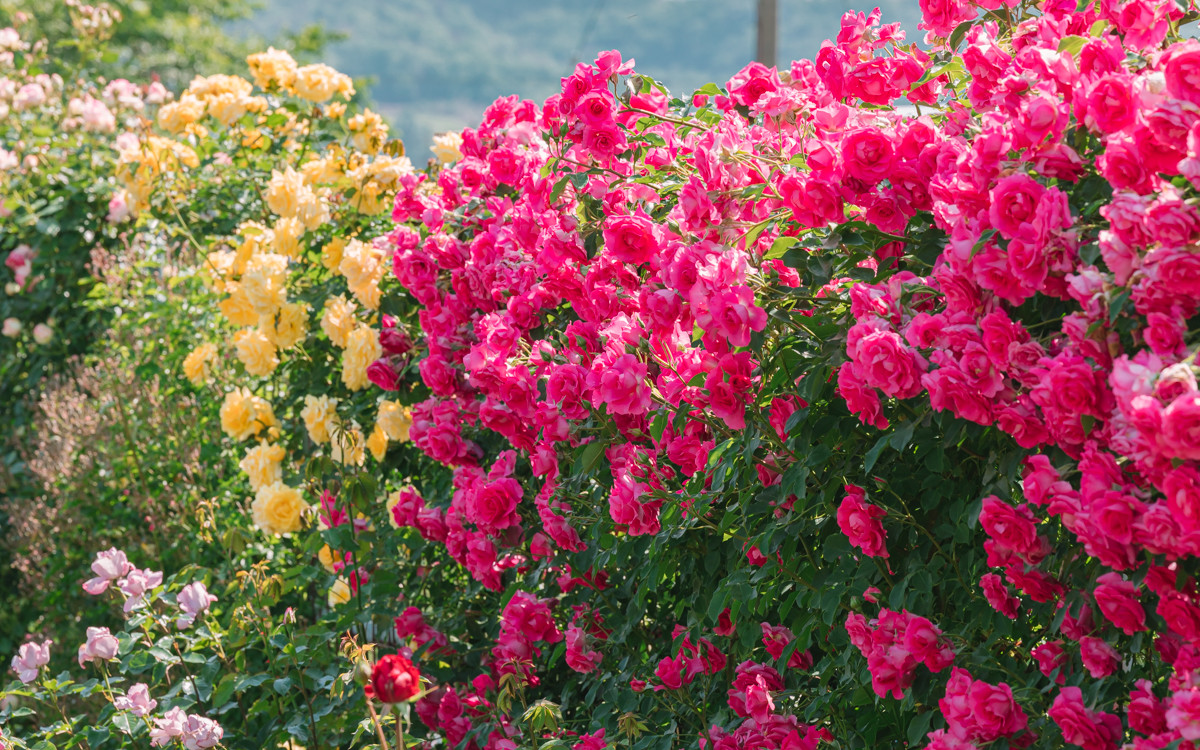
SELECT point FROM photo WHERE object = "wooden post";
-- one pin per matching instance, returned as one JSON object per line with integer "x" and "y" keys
{"x": 768, "y": 21}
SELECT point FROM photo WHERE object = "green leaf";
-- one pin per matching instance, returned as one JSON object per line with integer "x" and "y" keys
{"x": 780, "y": 247}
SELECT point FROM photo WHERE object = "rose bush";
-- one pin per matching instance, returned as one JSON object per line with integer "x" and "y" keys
{"x": 777, "y": 416}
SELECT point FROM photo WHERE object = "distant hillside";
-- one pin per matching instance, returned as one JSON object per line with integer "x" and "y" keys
{"x": 435, "y": 64}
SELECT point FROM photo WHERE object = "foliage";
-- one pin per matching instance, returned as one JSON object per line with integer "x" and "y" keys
{"x": 775, "y": 416}
{"x": 165, "y": 40}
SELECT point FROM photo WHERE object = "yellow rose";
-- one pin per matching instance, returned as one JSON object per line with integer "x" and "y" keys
{"x": 313, "y": 212}
{"x": 276, "y": 508}
{"x": 338, "y": 320}
{"x": 176, "y": 116}
{"x": 237, "y": 308}
{"x": 362, "y": 348}
{"x": 339, "y": 592}
{"x": 317, "y": 83}
{"x": 284, "y": 192}
{"x": 325, "y": 557}
{"x": 228, "y": 108}
{"x": 253, "y": 138}
{"x": 395, "y": 420}
{"x": 244, "y": 414}
{"x": 219, "y": 263}
{"x": 369, "y": 131}
{"x": 331, "y": 253}
{"x": 196, "y": 366}
{"x": 362, "y": 265}
{"x": 272, "y": 68}
{"x": 319, "y": 413}
{"x": 262, "y": 464}
{"x": 265, "y": 282}
{"x": 322, "y": 171}
{"x": 216, "y": 85}
{"x": 287, "y": 237}
{"x": 346, "y": 445}
{"x": 446, "y": 147}
{"x": 256, "y": 351}
{"x": 377, "y": 443}
{"x": 288, "y": 327}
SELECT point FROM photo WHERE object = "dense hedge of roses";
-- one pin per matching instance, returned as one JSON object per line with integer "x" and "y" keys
{"x": 611, "y": 284}
{"x": 775, "y": 417}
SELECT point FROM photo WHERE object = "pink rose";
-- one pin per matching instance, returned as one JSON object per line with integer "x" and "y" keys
{"x": 868, "y": 155}
{"x": 137, "y": 701}
{"x": 383, "y": 374}
{"x": 1183, "y": 716}
{"x": 859, "y": 521}
{"x": 1099, "y": 658}
{"x": 1181, "y": 427}
{"x": 1147, "y": 714}
{"x": 884, "y": 362}
{"x": 108, "y": 567}
{"x": 1182, "y": 71}
{"x": 495, "y": 505}
{"x": 1014, "y": 203}
{"x": 632, "y": 238}
{"x": 1050, "y": 656}
{"x": 997, "y": 595}
{"x": 1118, "y": 601}
{"x": 30, "y": 659}
{"x": 621, "y": 385}
{"x": 192, "y": 600}
{"x": 579, "y": 657}
{"x": 1091, "y": 730}
{"x": 101, "y": 644}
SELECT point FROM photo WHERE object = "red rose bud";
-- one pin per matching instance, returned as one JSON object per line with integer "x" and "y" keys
{"x": 380, "y": 373}
{"x": 395, "y": 341}
{"x": 395, "y": 679}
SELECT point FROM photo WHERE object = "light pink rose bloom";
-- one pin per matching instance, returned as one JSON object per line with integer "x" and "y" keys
{"x": 29, "y": 96}
{"x": 1184, "y": 714}
{"x": 30, "y": 659}
{"x": 136, "y": 584}
{"x": 137, "y": 701}
{"x": 192, "y": 599}
{"x": 201, "y": 733}
{"x": 101, "y": 644}
{"x": 167, "y": 727}
{"x": 108, "y": 567}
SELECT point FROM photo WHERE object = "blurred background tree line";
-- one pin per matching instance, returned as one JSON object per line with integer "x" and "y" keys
{"x": 432, "y": 65}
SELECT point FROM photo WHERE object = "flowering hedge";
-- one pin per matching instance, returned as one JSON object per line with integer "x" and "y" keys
{"x": 648, "y": 323}
{"x": 778, "y": 416}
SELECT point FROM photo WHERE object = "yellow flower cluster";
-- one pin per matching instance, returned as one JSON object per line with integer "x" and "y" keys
{"x": 321, "y": 182}
{"x": 245, "y": 415}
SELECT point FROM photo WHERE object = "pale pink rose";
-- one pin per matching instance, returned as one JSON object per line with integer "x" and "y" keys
{"x": 119, "y": 208}
{"x": 192, "y": 599}
{"x": 101, "y": 644}
{"x": 29, "y": 96}
{"x": 137, "y": 701}
{"x": 1184, "y": 714}
{"x": 12, "y": 328}
{"x": 168, "y": 727}
{"x": 201, "y": 733}
{"x": 30, "y": 659}
{"x": 108, "y": 567}
{"x": 42, "y": 333}
{"x": 136, "y": 584}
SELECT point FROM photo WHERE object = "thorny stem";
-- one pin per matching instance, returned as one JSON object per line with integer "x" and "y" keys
{"x": 378, "y": 727}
